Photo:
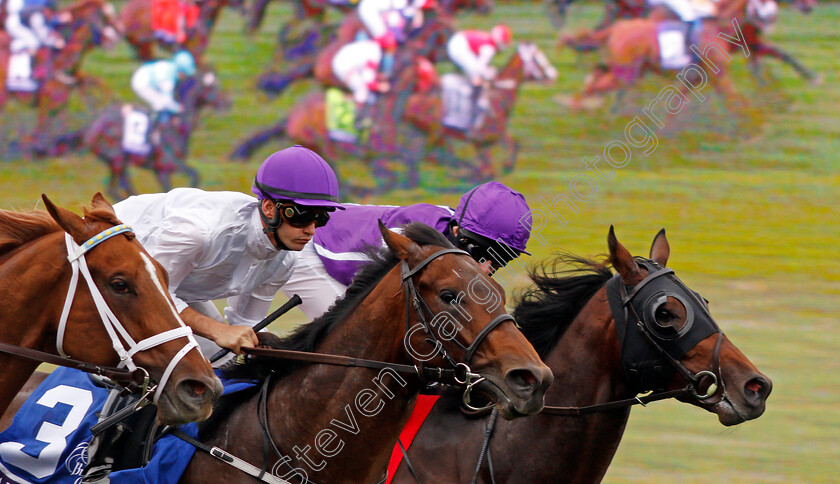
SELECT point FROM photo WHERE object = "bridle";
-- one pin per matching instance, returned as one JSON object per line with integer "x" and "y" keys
{"x": 116, "y": 331}
{"x": 460, "y": 373}
{"x": 662, "y": 281}
{"x": 463, "y": 373}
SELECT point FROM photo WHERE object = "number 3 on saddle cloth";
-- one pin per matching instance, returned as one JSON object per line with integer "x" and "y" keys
{"x": 49, "y": 437}
{"x": 166, "y": 15}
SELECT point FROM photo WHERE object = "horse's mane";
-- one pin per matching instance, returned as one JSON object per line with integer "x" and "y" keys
{"x": 307, "y": 336}
{"x": 562, "y": 286}
{"x": 18, "y": 228}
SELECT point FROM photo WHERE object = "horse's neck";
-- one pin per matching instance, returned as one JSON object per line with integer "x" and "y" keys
{"x": 363, "y": 409}
{"x": 587, "y": 370}
{"x": 78, "y": 43}
{"x": 505, "y": 96}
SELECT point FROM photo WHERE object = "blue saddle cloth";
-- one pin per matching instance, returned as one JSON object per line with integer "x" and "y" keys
{"x": 48, "y": 439}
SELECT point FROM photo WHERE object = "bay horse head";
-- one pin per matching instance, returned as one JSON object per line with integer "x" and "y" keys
{"x": 121, "y": 315}
{"x": 457, "y": 318}
{"x": 669, "y": 338}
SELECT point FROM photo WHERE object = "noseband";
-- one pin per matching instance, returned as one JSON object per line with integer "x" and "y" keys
{"x": 463, "y": 373}
{"x": 76, "y": 256}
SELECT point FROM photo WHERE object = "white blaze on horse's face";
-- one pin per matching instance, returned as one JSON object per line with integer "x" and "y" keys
{"x": 150, "y": 267}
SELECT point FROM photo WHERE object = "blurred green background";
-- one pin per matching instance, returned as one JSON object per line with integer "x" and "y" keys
{"x": 749, "y": 199}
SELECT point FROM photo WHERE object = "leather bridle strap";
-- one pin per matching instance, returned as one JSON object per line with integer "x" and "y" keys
{"x": 483, "y": 334}
{"x": 601, "y": 407}
{"x": 120, "y": 375}
{"x": 426, "y": 373}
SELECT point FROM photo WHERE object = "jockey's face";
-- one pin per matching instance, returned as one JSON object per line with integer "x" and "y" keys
{"x": 294, "y": 235}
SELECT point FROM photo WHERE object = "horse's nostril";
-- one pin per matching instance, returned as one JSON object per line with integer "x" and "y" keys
{"x": 521, "y": 379}
{"x": 196, "y": 387}
{"x": 757, "y": 389}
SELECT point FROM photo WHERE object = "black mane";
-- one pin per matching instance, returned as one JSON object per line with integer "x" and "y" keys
{"x": 563, "y": 285}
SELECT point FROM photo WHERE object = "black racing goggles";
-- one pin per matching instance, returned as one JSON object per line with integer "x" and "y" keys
{"x": 483, "y": 249}
{"x": 302, "y": 217}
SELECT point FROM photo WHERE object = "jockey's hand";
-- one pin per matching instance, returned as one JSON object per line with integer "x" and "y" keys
{"x": 388, "y": 42}
{"x": 383, "y": 86}
{"x": 175, "y": 107}
{"x": 235, "y": 338}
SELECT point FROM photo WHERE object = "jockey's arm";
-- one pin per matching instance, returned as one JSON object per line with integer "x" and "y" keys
{"x": 231, "y": 337}
{"x": 483, "y": 59}
{"x": 370, "y": 12}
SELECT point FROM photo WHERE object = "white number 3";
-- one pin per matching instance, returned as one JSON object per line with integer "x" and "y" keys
{"x": 55, "y": 436}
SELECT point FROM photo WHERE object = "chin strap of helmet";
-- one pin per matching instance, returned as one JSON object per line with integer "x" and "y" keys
{"x": 272, "y": 224}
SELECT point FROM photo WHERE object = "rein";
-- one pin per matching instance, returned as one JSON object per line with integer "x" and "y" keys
{"x": 460, "y": 373}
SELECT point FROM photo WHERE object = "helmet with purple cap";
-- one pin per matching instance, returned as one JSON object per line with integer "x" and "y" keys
{"x": 298, "y": 175}
{"x": 493, "y": 222}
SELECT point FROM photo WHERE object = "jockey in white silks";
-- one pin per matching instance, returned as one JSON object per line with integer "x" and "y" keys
{"x": 356, "y": 65}
{"x": 26, "y": 23}
{"x": 692, "y": 13}
{"x": 388, "y": 22}
{"x": 473, "y": 51}
{"x": 155, "y": 82}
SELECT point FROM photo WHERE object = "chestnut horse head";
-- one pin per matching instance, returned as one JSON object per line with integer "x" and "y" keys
{"x": 121, "y": 315}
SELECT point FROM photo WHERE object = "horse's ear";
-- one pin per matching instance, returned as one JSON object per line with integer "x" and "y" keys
{"x": 67, "y": 220}
{"x": 400, "y": 245}
{"x": 100, "y": 202}
{"x": 660, "y": 249}
{"x": 623, "y": 261}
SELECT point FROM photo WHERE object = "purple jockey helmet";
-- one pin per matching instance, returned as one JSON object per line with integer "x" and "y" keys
{"x": 299, "y": 175}
{"x": 496, "y": 212}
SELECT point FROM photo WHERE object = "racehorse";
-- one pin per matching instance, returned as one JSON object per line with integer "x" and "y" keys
{"x": 420, "y": 299}
{"x": 91, "y": 21}
{"x": 387, "y": 139}
{"x": 136, "y": 15}
{"x": 631, "y": 48}
{"x": 571, "y": 318}
{"x": 104, "y": 137}
{"x": 123, "y": 315}
{"x": 754, "y": 17}
{"x": 425, "y": 111}
{"x": 314, "y": 59}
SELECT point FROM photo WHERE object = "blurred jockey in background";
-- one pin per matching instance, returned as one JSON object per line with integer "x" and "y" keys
{"x": 26, "y": 21}
{"x": 473, "y": 50}
{"x": 155, "y": 82}
{"x": 172, "y": 18}
{"x": 692, "y": 13}
{"x": 388, "y": 22}
{"x": 356, "y": 65}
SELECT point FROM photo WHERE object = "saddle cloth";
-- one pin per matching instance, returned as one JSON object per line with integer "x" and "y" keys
{"x": 340, "y": 110}
{"x": 135, "y": 137}
{"x": 457, "y": 102}
{"x": 19, "y": 78}
{"x": 672, "y": 52}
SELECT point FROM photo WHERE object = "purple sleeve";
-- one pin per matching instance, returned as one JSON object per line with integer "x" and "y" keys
{"x": 339, "y": 244}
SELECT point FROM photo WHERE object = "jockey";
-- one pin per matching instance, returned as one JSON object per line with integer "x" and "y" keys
{"x": 472, "y": 51}
{"x": 491, "y": 222}
{"x": 217, "y": 245}
{"x": 26, "y": 22}
{"x": 692, "y": 13}
{"x": 155, "y": 82}
{"x": 356, "y": 65}
{"x": 388, "y": 22}
{"x": 172, "y": 18}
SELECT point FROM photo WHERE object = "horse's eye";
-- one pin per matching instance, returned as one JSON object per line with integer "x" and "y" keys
{"x": 119, "y": 286}
{"x": 447, "y": 296}
{"x": 663, "y": 316}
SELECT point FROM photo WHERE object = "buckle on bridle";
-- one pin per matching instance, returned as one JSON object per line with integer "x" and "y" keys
{"x": 713, "y": 387}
